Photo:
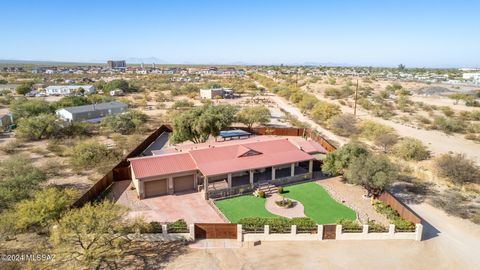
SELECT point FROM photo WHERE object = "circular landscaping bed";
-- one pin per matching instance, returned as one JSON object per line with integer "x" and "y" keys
{"x": 284, "y": 203}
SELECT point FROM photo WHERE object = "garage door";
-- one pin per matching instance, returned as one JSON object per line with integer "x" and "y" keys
{"x": 183, "y": 183}
{"x": 155, "y": 188}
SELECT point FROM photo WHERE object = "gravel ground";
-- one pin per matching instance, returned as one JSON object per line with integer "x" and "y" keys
{"x": 352, "y": 196}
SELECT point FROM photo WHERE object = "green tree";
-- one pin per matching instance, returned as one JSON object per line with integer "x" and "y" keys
{"x": 38, "y": 213}
{"x": 374, "y": 173}
{"x": 22, "y": 108}
{"x": 23, "y": 89}
{"x": 336, "y": 162}
{"x": 18, "y": 178}
{"x": 411, "y": 149}
{"x": 120, "y": 84}
{"x": 199, "y": 123}
{"x": 90, "y": 237}
{"x": 125, "y": 123}
{"x": 253, "y": 115}
{"x": 323, "y": 111}
{"x": 90, "y": 154}
{"x": 35, "y": 127}
{"x": 71, "y": 101}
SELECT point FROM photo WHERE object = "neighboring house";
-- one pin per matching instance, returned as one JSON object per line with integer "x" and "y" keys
{"x": 5, "y": 121}
{"x": 222, "y": 166}
{"x": 216, "y": 92}
{"x": 117, "y": 92}
{"x": 8, "y": 87}
{"x": 68, "y": 89}
{"x": 91, "y": 113}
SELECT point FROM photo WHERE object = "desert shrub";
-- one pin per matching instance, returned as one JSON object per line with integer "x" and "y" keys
{"x": 90, "y": 154}
{"x": 323, "y": 111}
{"x": 304, "y": 224}
{"x": 457, "y": 168}
{"x": 376, "y": 227}
{"x": 411, "y": 149}
{"x": 179, "y": 226}
{"x": 447, "y": 111}
{"x": 38, "y": 213}
{"x": 18, "y": 178}
{"x": 386, "y": 141}
{"x": 448, "y": 124}
{"x": 10, "y": 147}
{"x": 393, "y": 216}
{"x": 182, "y": 104}
{"x": 370, "y": 129}
{"x": 456, "y": 204}
{"x": 307, "y": 103}
{"x": 336, "y": 93}
{"x": 261, "y": 194}
{"x": 473, "y": 128}
{"x": 343, "y": 125}
{"x": 53, "y": 167}
{"x": 475, "y": 115}
{"x": 349, "y": 225}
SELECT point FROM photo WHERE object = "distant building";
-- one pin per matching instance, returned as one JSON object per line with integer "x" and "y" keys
{"x": 472, "y": 76}
{"x": 54, "y": 90}
{"x": 117, "y": 64}
{"x": 91, "y": 113}
{"x": 216, "y": 92}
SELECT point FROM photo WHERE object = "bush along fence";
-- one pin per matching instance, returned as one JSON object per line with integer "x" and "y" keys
{"x": 154, "y": 231}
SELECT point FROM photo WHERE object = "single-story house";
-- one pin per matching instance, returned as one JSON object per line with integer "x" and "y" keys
{"x": 91, "y": 113}
{"x": 69, "y": 89}
{"x": 219, "y": 165}
{"x": 216, "y": 92}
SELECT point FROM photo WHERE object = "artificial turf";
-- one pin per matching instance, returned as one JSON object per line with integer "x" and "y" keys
{"x": 318, "y": 205}
{"x": 244, "y": 206}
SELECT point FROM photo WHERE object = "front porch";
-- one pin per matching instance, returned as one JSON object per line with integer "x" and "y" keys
{"x": 246, "y": 181}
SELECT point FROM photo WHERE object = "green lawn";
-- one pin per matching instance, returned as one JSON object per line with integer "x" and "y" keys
{"x": 318, "y": 205}
{"x": 243, "y": 206}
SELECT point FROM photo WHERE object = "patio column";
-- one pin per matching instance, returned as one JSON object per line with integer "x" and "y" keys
{"x": 273, "y": 172}
{"x": 310, "y": 166}
{"x": 251, "y": 177}
{"x": 229, "y": 180}
{"x": 292, "y": 169}
{"x": 205, "y": 187}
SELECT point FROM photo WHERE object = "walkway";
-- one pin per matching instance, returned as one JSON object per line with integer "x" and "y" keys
{"x": 295, "y": 211}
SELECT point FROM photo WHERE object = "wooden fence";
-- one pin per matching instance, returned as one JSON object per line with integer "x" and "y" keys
{"x": 401, "y": 208}
{"x": 121, "y": 171}
{"x": 303, "y": 132}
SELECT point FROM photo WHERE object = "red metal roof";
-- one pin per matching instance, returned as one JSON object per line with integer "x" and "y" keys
{"x": 225, "y": 159}
{"x": 222, "y": 159}
{"x": 160, "y": 165}
{"x": 311, "y": 147}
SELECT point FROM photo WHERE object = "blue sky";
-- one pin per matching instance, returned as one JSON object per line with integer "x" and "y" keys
{"x": 369, "y": 33}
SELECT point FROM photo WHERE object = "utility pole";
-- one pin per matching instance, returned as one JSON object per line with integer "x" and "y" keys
{"x": 356, "y": 97}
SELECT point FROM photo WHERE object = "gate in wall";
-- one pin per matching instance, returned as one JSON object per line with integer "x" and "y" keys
{"x": 215, "y": 231}
{"x": 329, "y": 232}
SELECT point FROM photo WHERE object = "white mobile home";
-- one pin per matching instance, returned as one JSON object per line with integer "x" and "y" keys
{"x": 68, "y": 89}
